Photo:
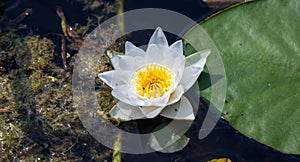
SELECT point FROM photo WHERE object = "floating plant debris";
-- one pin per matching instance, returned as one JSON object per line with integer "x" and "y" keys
{"x": 5, "y": 110}
{"x": 20, "y": 17}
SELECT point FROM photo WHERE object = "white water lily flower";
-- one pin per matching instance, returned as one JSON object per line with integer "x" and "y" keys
{"x": 152, "y": 82}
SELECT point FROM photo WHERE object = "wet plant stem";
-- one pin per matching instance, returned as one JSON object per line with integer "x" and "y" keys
{"x": 20, "y": 17}
{"x": 64, "y": 53}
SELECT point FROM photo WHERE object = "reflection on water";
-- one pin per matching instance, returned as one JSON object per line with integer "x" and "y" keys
{"x": 223, "y": 141}
{"x": 36, "y": 113}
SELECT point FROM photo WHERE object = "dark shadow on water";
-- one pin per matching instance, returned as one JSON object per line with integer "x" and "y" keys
{"x": 192, "y": 8}
{"x": 223, "y": 141}
{"x": 207, "y": 80}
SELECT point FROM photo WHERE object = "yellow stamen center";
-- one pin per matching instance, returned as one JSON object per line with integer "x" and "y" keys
{"x": 153, "y": 81}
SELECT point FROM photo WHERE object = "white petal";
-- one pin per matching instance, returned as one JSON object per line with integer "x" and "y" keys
{"x": 125, "y": 112}
{"x": 130, "y": 63}
{"x": 196, "y": 57}
{"x": 160, "y": 55}
{"x": 115, "y": 78}
{"x": 157, "y": 102}
{"x": 190, "y": 76}
{"x": 176, "y": 95}
{"x": 167, "y": 140}
{"x": 129, "y": 46}
{"x": 182, "y": 110}
{"x": 192, "y": 72}
{"x": 123, "y": 93}
{"x": 158, "y": 38}
{"x": 175, "y": 84}
{"x": 126, "y": 94}
{"x": 126, "y": 62}
{"x": 164, "y": 56}
{"x": 114, "y": 59}
{"x": 154, "y": 54}
{"x": 177, "y": 46}
{"x": 178, "y": 65}
{"x": 151, "y": 111}
{"x": 132, "y": 50}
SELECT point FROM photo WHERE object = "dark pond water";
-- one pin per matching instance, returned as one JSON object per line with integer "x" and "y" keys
{"x": 223, "y": 141}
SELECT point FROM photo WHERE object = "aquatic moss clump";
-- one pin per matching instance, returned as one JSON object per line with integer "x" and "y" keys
{"x": 43, "y": 123}
{"x": 8, "y": 42}
{"x": 34, "y": 80}
{"x": 5, "y": 92}
{"x": 41, "y": 50}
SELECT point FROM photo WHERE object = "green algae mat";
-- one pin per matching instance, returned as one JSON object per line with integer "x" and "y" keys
{"x": 259, "y": 43}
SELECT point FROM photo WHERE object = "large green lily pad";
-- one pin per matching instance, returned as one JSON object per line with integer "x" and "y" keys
{"x": 259, "y": 43}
